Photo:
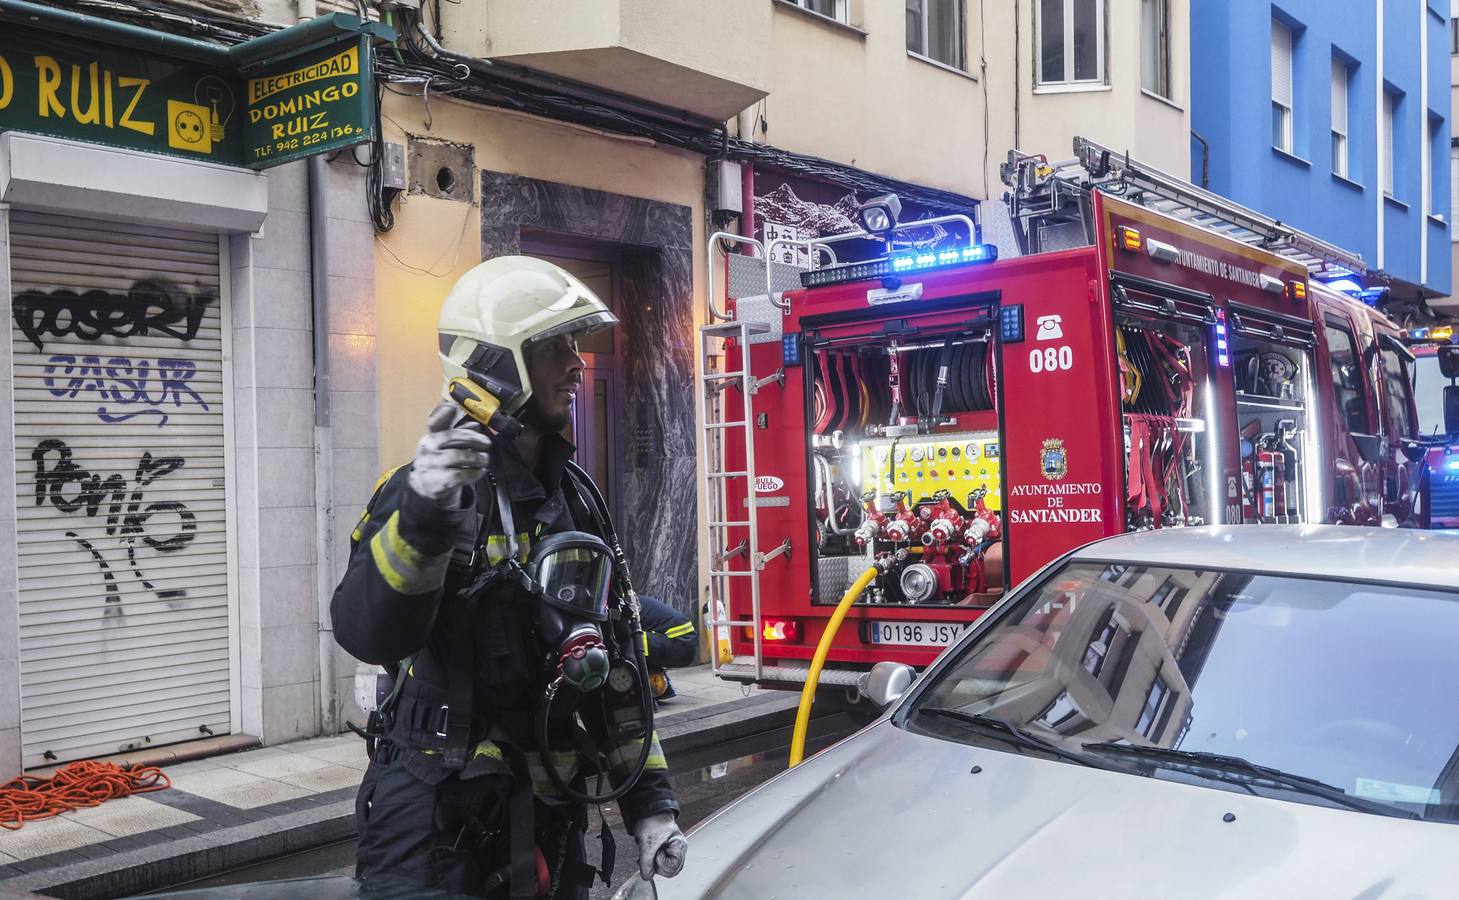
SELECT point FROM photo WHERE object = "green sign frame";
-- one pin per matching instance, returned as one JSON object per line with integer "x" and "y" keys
{"x": 313, "y": 100}
{"x": 309, "y": 104}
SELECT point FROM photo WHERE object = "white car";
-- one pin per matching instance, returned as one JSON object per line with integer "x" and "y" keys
{"x": 1235, "y": 712}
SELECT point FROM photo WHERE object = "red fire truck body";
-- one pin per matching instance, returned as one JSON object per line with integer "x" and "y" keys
{"x": 1437, "y": 352}
{"x": 961, "y": 424}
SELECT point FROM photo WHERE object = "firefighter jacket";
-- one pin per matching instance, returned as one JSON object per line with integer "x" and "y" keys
{"x": 400, "y": 601}
{"x": 671, "y": 639}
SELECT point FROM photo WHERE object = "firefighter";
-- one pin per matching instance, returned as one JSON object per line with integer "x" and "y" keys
{"x": 672, "y": 643}
{"x": 465, "y": 565}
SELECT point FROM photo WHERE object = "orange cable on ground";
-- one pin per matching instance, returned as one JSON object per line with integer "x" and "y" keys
{"x": 80, "y": 784}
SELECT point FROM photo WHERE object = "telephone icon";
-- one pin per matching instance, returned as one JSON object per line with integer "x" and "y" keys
{"x": 1049, "y": 328}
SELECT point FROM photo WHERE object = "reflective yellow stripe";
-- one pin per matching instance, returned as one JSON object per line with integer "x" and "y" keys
{"x": 566, "y": 765}
{"x": 680, "y": 630}
{"x": 625, "y": 755}
{"x": 496, "y": 547}
{"x": 488, "y": 749}
{"x": 404, "y": 568}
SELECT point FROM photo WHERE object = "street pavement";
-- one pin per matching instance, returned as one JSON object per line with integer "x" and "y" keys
{"x": 229, "y": 811}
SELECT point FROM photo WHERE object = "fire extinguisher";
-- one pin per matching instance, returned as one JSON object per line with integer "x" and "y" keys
{"x": 1271, "y": 468}
{"x": 1248, "y": 482}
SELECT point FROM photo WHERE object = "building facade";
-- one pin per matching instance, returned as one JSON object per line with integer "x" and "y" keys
{"x": 1343, "y": 135}
{"x": 162, "y": 420}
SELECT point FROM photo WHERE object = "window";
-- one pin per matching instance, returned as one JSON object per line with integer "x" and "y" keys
{"x": 1070, "y": 41}
{"x": 1454, "y": 27}
{"x": 1281, "y": 87}
{"x": 1347, "y": 377}
{"x": 1159, "y": 690}
{"x": 935, "y": 30}
{"x": 1397, "y": 389}
{"x": 1390, "y": 109}
{"x": 1339, "y": 118}
{"x": 1155, "y": 46}
{"x": 831, "y": 9}
{"x": 1453, "y": 191}
{"x": 1437, "y": 203}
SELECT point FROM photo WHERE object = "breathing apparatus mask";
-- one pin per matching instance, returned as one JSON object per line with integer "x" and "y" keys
{"x": 570, "y": 574}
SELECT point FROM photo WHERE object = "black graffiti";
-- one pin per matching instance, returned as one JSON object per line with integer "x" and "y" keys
{"x": 143, "y": 386}
{"x": 149, "y": 307}
{"x": 128, "y": 516}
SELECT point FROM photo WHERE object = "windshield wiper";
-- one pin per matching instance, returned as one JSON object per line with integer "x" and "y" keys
{"x": 1238, "y": 770}
{"x": 1012, "y": 734}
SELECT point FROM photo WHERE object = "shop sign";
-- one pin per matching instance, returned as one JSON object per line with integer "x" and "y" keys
{"x": 299, "y": 105}
{"x": 64, "y": 87}
{"x": 310, "y": 104}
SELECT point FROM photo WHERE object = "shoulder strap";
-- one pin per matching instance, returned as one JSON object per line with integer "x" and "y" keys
{"x": 370, "y": 505}
{"x": 584, "y": 510}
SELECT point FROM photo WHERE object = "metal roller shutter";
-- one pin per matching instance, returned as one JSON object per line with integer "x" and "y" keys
{"x": 119, "y": 468}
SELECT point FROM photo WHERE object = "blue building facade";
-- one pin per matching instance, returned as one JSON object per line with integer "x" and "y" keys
{"x": 1307, "y": 139}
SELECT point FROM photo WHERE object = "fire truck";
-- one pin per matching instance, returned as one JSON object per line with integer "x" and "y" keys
{"x": 899, "y": 439}
{"x": 1437, "y": 350}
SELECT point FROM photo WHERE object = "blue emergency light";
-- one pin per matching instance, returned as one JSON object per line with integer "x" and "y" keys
{"x": 1223, "y": 353}
{"x": 900, "y": 264}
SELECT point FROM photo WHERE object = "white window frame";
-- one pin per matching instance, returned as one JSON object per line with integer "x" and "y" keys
{"x": 959, "y": 34}
{"x": 1068, "y": 38}
{"x": 1390, "y": 114}
{"x": 1282, "y": 129}
{"x": 1341, "y": 76}
{"x": 1160, "y": 9}
{"x": 1453, "y": 191}
{"x": 839, "y": 11}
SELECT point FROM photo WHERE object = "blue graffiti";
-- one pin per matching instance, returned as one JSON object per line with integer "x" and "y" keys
{"x": 125, "y": 388}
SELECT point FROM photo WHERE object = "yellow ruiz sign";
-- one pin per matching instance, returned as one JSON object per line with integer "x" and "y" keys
{"x": 70, "y": 88}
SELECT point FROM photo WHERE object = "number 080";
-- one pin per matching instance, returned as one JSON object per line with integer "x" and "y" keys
{"x": 1051, "y": 359}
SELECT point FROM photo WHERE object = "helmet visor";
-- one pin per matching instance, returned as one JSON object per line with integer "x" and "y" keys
{"x": 574, "y": 571}
{"x": 585, "y": 324}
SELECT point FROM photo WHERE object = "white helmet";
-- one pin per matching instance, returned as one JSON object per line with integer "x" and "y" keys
{"x": 500, "y": 307}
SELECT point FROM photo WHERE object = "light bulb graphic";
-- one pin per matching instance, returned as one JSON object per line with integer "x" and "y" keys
{"x": 216, "y": 94}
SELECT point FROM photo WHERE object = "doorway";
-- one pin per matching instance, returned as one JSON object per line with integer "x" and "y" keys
{"x": 596, "y": 426}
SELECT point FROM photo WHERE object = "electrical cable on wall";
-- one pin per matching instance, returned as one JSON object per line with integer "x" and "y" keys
{"x": 499, "y": 85}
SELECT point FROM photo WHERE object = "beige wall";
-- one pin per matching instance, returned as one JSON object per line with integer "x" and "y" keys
{"x": 1118, "y": 114}
{"x": 436, "y": 241}
{"x": 710, "y": 58}
{"x": 858, "y": 98}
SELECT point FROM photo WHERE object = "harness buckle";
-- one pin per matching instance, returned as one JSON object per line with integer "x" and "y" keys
{"x": 445, "y": 715}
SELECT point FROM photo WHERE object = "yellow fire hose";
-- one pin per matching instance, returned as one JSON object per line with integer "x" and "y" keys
{"x": 813, "y": 676}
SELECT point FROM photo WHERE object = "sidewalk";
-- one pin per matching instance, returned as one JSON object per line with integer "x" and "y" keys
{"x": 241, "y": 808}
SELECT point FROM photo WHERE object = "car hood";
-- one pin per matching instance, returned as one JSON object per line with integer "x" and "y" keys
{"x": 892, "y": 813}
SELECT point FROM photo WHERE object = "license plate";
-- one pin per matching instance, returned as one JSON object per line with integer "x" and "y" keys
{"x": 932, "y": 634}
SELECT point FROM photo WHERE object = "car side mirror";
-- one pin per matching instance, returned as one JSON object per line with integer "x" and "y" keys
{"x": 1414, "y": 450}
{"x": 1370, "y": 447}
{"x": 887, "y": 682}
{"x": 1449, "y": 361}
{"x": 1451, "y": 408}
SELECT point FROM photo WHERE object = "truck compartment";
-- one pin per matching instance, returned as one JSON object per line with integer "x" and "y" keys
{"x": 906, "y": 458}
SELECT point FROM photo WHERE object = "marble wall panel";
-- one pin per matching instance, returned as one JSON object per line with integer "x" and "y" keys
{"x": 654, "y": 243}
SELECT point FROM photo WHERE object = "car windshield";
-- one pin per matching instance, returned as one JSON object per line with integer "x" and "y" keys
{"x": 1286, "y": 679}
